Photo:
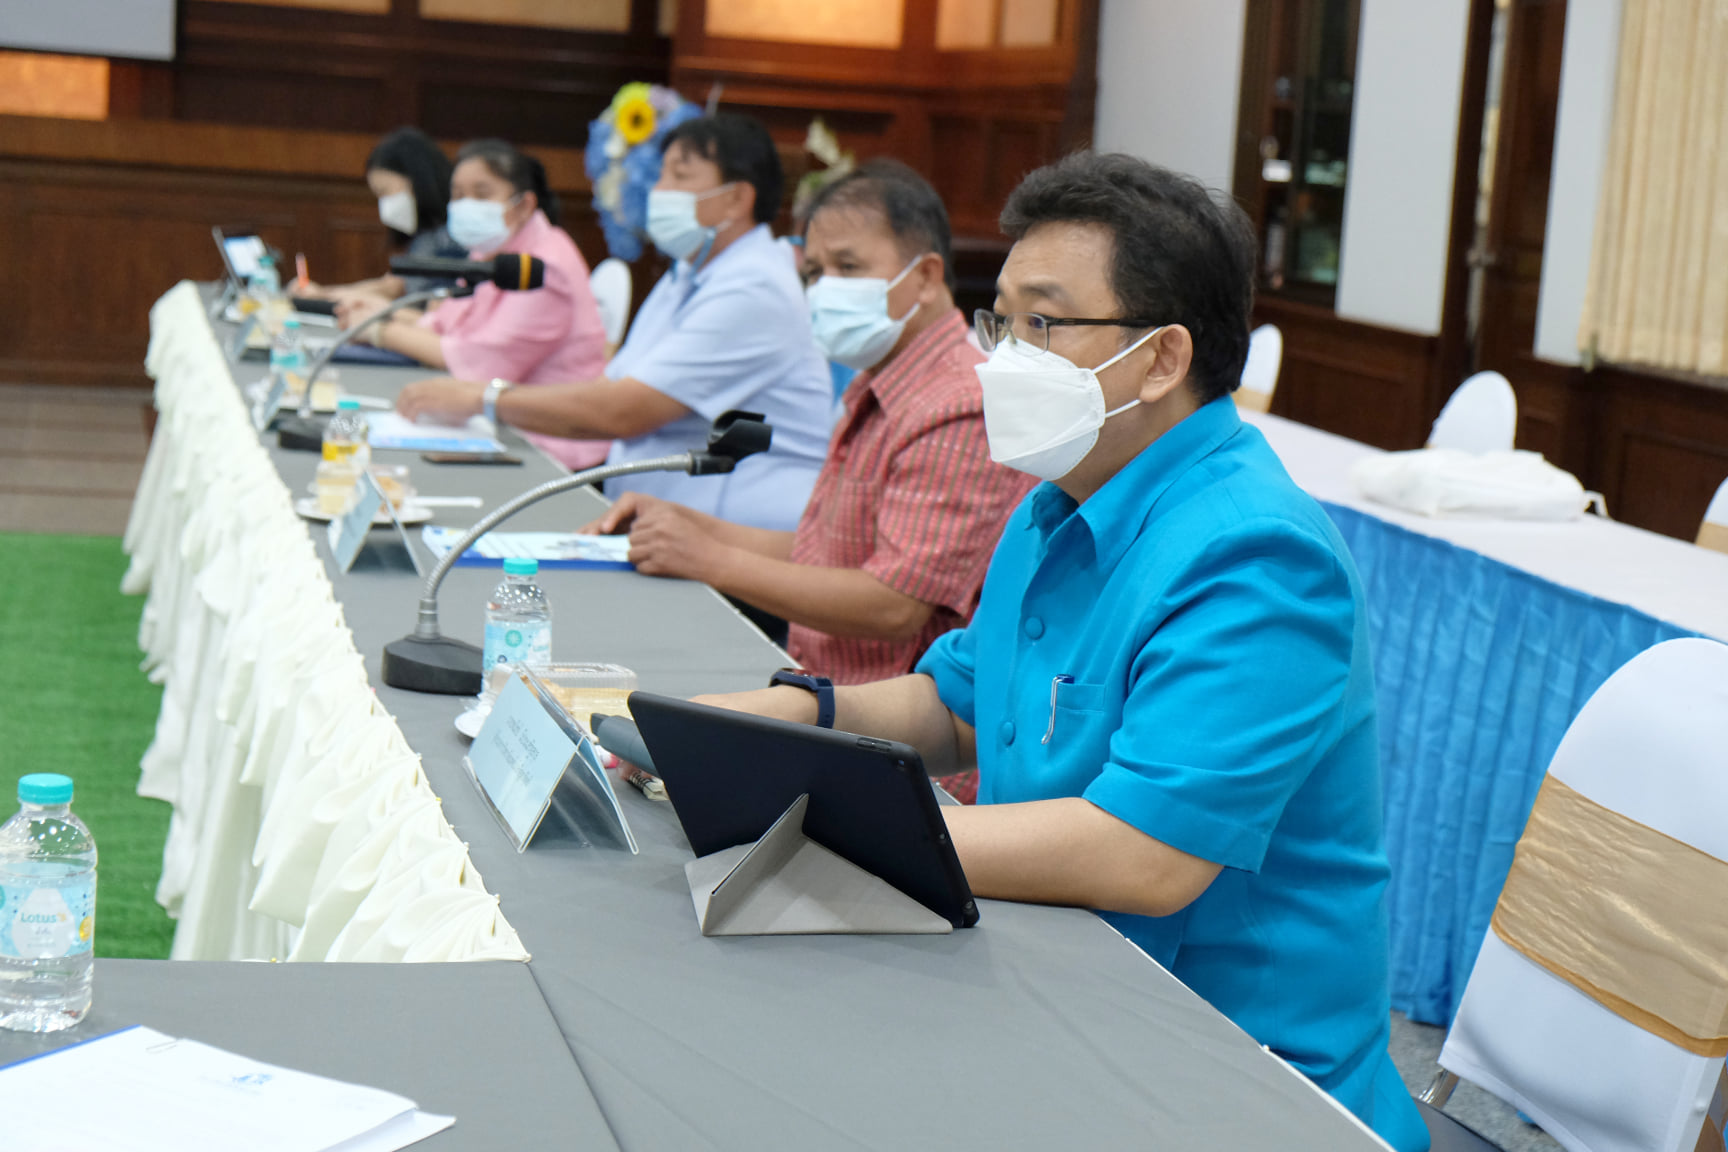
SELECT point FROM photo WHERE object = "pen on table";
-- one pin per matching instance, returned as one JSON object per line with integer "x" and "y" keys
{"x": 301, "y": 279}
{"x": 1056, "y": 683}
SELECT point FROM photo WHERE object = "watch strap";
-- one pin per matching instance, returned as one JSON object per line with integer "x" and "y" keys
{"x": 489, "y": 401}
{"x": 819, "y": 686}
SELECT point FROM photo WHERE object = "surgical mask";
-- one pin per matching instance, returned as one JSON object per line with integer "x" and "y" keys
{"x": 397, "y": 211}
{"x": 477, "y": 224}
{"x": 672, "y": 223}
{"x": 850, "y": 317}
{"x": 1042, "y": 412}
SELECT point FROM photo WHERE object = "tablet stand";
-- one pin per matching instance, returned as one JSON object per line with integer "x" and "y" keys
{"x": 786, "y": 884}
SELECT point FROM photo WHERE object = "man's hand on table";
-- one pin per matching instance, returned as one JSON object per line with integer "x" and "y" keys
{"x": 666, "y": 539}
{"x": 442, "y": 400}
{"x": 354, "y": 307}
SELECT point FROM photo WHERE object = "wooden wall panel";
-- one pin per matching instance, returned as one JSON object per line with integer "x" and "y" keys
{"x": 1357, "y": 380}
{"x": 368, "y": 72}
{"x": 97, "y": 220}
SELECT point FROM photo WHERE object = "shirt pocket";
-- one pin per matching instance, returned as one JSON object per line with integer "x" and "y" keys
{"x": 1078, "y": 728}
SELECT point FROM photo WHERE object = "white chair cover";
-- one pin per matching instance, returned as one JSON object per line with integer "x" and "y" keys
{"x": 1648, "y": 745}
{"x": 1260, "y": 373}
{"x": 611, "y": 284}
{"x": 1481, "y": 416}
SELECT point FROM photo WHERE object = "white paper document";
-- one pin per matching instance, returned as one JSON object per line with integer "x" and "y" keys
{"x": 392, "y": 430}
{"x": 141, "y": 1091}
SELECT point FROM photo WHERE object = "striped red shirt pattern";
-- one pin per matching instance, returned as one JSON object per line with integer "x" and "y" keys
{"x": 909, "y": 494}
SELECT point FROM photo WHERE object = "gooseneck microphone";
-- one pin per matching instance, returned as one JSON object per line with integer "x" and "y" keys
{"x": 511, "y": 271}
{"x": 304, "y": 432}
{"x": 429, "y": 661}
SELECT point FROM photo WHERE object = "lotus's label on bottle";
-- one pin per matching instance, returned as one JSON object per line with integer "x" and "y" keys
{"x": 45, "y": 921}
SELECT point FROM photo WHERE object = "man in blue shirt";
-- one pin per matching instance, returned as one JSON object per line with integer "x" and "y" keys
{"x": 1166, "y": 687}
{"x": 726, "y": 327}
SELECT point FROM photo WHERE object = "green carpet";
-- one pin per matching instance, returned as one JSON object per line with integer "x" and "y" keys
{"x": 72, "y": 700}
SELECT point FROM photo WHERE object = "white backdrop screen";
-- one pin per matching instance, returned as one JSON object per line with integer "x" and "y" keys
{"x": 140, "y": 29}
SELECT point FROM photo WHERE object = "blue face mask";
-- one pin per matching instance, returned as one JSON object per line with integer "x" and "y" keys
{"x": 477, "y": 225}
{"x": 849, "y": 316}
{"x": 673, "y": 226}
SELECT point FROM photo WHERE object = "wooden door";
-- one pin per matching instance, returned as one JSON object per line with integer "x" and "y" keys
{"x": 1508, "y": 249}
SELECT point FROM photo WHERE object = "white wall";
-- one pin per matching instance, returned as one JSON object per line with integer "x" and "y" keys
{"x": 1403, "y": 141}
{"x": 1587, "y": 72}
{"x": 1168, "y": 72}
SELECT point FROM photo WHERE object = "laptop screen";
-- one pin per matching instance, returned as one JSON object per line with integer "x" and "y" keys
{"x": 243, "y": 253}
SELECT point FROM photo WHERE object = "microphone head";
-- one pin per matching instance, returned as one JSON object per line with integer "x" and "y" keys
{"x": 515, "y": 272}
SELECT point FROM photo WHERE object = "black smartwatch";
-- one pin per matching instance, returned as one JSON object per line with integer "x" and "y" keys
{"x": 821, "y": 686}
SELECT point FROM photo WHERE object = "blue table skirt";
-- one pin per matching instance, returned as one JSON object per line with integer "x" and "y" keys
{"x": 1481, "y": 667}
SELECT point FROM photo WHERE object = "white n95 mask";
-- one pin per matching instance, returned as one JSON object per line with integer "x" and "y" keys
{"x": 397, "y": 211}
{"x": 850, "y": 317}
{"x": 672, "y": 223}
{"x": 477, "y": 224}
{"x": 1042, "y": 412}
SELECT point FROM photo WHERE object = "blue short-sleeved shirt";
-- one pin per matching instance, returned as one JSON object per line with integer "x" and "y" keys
{"x": 1222, "y": 702}
{"x": 735, "y": 334}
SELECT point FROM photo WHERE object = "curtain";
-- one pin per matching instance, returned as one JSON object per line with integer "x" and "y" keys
{"x": 1658, "y": 289}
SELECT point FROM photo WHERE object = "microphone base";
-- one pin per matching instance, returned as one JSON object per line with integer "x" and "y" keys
{"x": 443, "y": 666}
{"x": 300, "y": 433}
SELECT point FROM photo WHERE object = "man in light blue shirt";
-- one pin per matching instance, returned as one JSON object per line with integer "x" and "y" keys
{"x": 1166, "y": 687}
{"x": 726, "y": 327}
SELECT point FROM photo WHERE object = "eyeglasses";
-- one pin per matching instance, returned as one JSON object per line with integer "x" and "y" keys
{"x": 1033, "y": 330}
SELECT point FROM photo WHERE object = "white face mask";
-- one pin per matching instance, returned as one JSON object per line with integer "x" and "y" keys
{"x": 672, "y": 223}
{"x": 477, "y": 224}
{"x": 397, "y": 211}
{"x": 850, "y": 317}
{"x": 1042, "y": 412}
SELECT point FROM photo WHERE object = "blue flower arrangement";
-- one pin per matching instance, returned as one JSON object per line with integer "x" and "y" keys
{"x": 623, "y": 159}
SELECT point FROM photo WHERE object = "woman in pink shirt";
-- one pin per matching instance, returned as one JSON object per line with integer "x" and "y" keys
{"x": 499, "y": 202}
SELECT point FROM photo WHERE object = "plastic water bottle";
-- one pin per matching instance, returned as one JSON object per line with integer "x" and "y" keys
{"x": 346, "y": 436}
{"x": 263, "y": 286}
{"x": 518, "y": 620}
{"x": 47, "y": 909}
{"x": 288, "y": 358}
{"x": 347, "y": 453}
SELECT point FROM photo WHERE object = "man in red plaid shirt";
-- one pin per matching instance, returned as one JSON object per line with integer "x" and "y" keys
{"x": 892, "y": 548}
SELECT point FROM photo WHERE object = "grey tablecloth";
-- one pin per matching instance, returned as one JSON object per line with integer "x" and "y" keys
{"x": 472, "y": 1041}
{"x": 1039, "y": 1028}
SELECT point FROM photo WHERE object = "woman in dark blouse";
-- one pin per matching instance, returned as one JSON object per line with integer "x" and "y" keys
{"x": 410, "y": 175}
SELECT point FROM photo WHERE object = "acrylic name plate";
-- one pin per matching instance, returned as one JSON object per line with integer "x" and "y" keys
{"x": 347, "y": 532}
{"x": 530, "y": 758}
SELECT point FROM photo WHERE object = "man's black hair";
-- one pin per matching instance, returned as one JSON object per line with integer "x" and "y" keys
{"x": 1183, "y": 255}
{"x": 912, "y": 208}
{"x": 516, "y": 168}
{"x": 412, "y": 154}
{"x": 742, "y": 149}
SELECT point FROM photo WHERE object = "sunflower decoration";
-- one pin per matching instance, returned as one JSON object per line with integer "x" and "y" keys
{"x": 623, "y": 159}
{"x": 636, "y": 121}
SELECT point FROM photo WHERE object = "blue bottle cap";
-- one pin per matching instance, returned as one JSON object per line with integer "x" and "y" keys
{"x": 291, "y": 323}
{"x": 518, "y": 566}
{"x": 348, "y": 404}
{"x": 49, "y": 788}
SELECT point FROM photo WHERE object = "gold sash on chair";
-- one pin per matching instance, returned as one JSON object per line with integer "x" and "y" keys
{"x": 1713, "y": 536}
{"x": 1633, "y": 918}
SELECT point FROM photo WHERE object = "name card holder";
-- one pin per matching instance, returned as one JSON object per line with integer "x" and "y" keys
{"x": 347, "y": 533}
{"x": 237, "y": 346}
{"x": 530, "y": 758}
{"x": 786, "y": 884}
{"x": 264, "y": 410}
